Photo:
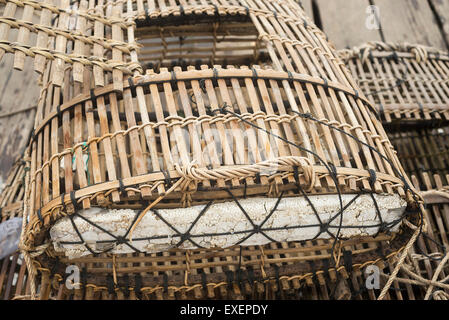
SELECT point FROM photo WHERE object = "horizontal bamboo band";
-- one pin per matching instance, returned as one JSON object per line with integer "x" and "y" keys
{"x": 407, "y": 55}
{"x": 435, "y": 197}
{"x": 296, "y": 270}
{"x": 196, "y": 75}
{"x": 174, "y": 174}
{"x": 377, "y": 49}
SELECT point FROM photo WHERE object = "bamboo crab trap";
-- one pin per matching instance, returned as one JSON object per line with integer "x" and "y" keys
{"x": 423, "y": 153}
{"x": 407, "y": 83}
{"x": 191, "y": 150}
{"x": 336, "y": 284}
{"x": 398, "y": 78}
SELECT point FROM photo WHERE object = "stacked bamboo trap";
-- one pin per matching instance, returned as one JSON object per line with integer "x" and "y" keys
{"x": 407, "y": 83}
{"x": 409, "y": 86}
{"x": 162, "y": 107}
{"x": 14, "y": 280}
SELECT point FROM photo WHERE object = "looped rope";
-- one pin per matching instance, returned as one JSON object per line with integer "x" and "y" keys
{"x": 420, "y": 53}
{"x": 191, "y": 173}
{"x": 440, "y": 295}
{"x": 365, "y": 51}
{"x": 418, "y": 231}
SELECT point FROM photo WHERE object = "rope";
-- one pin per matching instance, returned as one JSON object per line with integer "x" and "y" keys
{"x": 364, "y": 52}
{"x": 24, "y": 250}
{"x": 418, "y": 280}
{"x": 435, "y": 276}
{"x": 106, "y": 65}
{"x": 401, "y": 260}
{"x": 192, "y": 173}
{"x": 440, "y": 295}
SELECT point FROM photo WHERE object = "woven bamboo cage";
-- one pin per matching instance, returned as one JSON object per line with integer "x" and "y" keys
{"x": 344, "y": 283}
{"x": 424, "y": 154}
{"x": 405, "y": 82}
{"x": 423, "y": 151}
{"x": 420, "y": 137}
{"x": 14, "y": 280}
{"x": 168, "y": 115}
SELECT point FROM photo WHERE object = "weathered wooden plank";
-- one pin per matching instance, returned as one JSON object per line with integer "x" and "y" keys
{"x": 344, "y": 21}
{"x": 441, "y": 8}
{"x": 409, "y": 21}
{"x": 307, "y": 6}
{"x": 18, "y": 90}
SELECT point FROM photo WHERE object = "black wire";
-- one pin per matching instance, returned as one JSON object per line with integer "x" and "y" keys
{"x": 324, "y": 227}
{"x": 326, "y": 165}
{"x": 407, "y": 186}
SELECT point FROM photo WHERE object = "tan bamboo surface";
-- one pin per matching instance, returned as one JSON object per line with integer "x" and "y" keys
{"x": 124, "y": 80}
{"x": 339, "y": 285}
{"x": 98, "y": 271}
{"x": 423, "y": 151}
{"x": 101, "y": 269}
{"x": 421, "y": 141}
{"x": 405, "y": 82}
{"x": 14, "y": 280}
{"x": 412, "y": 283}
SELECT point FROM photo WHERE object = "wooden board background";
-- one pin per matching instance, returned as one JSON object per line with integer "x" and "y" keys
{"x": 349, "y": 29}
{"x": 414, "y": 21}
{"x": 18, "y": 90}
{"x": 441, "y": 8}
